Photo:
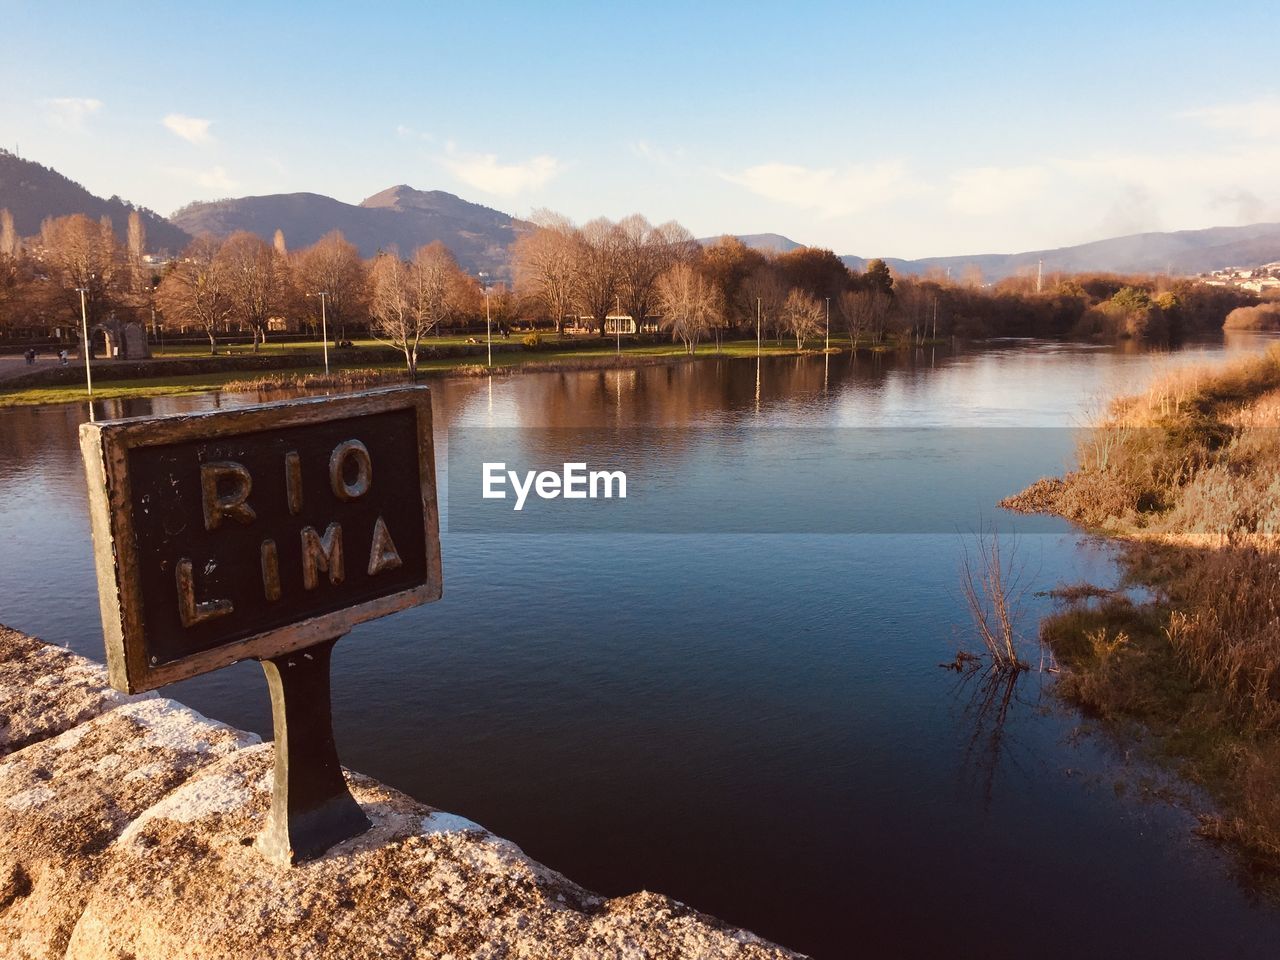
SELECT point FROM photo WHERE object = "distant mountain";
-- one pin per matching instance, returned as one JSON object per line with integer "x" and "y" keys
{"x": 481, "y": 237}
{"x": 1182, "y": 252}
{"x": 767, "y": 242}
{"x": 399, "y": 216}
{"x": 32, "y": 192}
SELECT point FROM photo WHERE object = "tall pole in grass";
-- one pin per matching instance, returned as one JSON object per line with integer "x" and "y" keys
{"x": 324, "y": 329}
{"x": 757, "y": 327}
{"x": 488, "y": 323}
{"x": 84, "y": 342}
{"x": 828, "y": 343}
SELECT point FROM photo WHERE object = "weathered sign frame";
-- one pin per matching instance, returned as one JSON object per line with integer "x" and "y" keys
{"x": 106, "y": 447}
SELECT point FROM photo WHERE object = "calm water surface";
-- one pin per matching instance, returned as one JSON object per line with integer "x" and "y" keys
{"x": 753, "y": 724}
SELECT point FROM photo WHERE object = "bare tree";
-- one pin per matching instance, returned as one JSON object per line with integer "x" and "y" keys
{"x": 690, "y": 302}
{"x": 646, "y": 252}
{"x": 438, "y": 287}
{"x": 9, "y": 243}
{"x": 193, "y": 290}
{"x": 994, "y": 591}
{"x": 864, "y": 313}
{"x": 333, "y": 266}
{"x": 391, "y": 307}
{"x": 14, "y": 289}
{"x": 545, "y": 260}
{"x": 137, "y": 237}
{"x": 766, "y": 294}
{"x": 253, "y": 280}
{"x": 802, "y": 316}
{"x": 598, "y": 272}
{"x": 82, "y": 254}
{"x": 277, "y": 242}
{"x": 730, "y": 263}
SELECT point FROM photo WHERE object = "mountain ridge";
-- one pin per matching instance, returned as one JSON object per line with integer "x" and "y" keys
{"x": 400, "y": 216}
{"x": 404, "y": 218}
{"x": 1193, "y": 251}
{"x": 32, "y": 192}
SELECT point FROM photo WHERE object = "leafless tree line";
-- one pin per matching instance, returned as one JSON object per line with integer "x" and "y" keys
{"x": 564, "y": 273}
{"x": 240, "y": 281}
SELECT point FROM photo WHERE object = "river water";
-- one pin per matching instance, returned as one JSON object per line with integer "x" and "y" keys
{"x": 752, "y": 722}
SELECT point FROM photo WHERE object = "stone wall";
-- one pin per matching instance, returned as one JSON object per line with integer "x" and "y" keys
{"x": 126, "y": 831}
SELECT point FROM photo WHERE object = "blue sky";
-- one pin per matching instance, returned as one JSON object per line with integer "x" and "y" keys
{"x": 877, "y": 129}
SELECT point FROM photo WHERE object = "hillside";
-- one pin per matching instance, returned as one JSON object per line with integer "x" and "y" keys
{"x": 398, "y": 216}
{"x": 1180, "y": 252}
{"x": 481, "y": 237}
{"x": 32, "y": 192}
{"x": 767, "y": 242}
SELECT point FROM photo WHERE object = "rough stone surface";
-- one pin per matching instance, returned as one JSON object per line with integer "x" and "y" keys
{"x": 128, "y": 832}
{"x": 45, "y": 690}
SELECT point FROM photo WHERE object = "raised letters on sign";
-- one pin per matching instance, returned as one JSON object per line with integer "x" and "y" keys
{"x": 250, "y": 532}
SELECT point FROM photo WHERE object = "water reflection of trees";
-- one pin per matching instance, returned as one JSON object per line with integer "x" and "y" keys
{"x": 989, "y": 701}
{"x": 704, "y": 392}
{"x": 40, "y": 444}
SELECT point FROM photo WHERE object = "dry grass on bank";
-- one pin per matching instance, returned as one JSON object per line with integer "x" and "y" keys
{"x": 339, "y": 380}
{"x": 1187, "y": 475}
{"x": 362, "y": 379}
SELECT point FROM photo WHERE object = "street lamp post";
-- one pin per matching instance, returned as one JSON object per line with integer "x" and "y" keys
{"x": 488, "y": 321}
{"x": 757, "y": 327}
{"x": 84, "y": 342}
{"x": 324, "y": 329}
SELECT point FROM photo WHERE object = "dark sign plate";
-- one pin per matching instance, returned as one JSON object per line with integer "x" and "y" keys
{"x": 257, "y": 531}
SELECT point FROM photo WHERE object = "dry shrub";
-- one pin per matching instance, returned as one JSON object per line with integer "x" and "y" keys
{"x": 1110, "y": 653}
{"x": 994, "y": 592}
{"x": 1265, "y": 316}
{"x": 1226, "y": 627}
{"x": 1109, "y": 687}
{"x": 1188, "y": 473}
{"x": 339, "y": 380}
{"x": 1254, "y": 822}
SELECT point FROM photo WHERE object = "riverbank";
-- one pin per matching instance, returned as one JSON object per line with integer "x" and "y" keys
{"x": 173, "y": 376}
{"x": 1185, "y": 478}
{"x": 126, "y": 830}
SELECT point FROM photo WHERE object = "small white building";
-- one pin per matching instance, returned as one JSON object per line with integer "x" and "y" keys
{"x": 616, "y": 323}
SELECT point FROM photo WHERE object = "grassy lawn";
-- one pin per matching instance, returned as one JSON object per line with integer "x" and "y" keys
{"x": 276, "y": 348}
{"x": 506, "y": 360}
{"x": 272, "y": 348}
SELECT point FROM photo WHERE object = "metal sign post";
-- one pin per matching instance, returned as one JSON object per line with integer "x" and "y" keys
{"x": 265, "y": 533}
{"x": 311, "y": 807}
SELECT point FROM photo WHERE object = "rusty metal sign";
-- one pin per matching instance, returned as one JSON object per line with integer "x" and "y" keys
{"x": 248, "y": 533}
{"x": 265, "y": 532}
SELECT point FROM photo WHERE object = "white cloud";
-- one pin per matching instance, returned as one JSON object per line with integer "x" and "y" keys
{"x": 659, "y": 157}
{"x": 212, "y": 179}
{"x": 484, "y": 172}
{"x": 830, "y": 192}
{"x": 1216, "y": 170}
{"x": 191, "y": 129}
{"x": 1256, "y": 118}
{"x": 405, "y": 132}
{"x": 70, "y": 113}
{"x": 984, "y": 191}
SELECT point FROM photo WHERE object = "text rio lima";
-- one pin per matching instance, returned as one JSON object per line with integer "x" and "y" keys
{"x": 226, "y": 487}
